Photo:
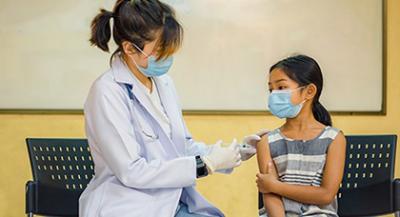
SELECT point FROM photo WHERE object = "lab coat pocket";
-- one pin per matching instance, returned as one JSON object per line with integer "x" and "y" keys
{"x": 120, "y": 201}
{"x": 144, "y": 129}
{"x": 148, "y": 136}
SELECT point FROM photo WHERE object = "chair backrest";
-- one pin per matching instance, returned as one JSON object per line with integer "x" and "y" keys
{"x": 367, "y": 185}
{"x": 61, "y": 169}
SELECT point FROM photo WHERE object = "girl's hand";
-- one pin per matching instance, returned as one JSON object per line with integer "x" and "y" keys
{"x": 266, "y": 182}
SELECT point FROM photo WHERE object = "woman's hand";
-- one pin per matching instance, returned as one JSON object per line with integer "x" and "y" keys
{"x": 248, "y": 147}
{"x": 266, "y": 182}
{"x": 222, "y": 158}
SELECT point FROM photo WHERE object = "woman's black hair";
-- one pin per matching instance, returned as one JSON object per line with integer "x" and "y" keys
{"x": 304, "y": 70}
{"x": 138, "y": 21}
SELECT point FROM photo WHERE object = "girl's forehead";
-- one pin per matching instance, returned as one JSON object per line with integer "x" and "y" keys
{"x": 278, "y": 75}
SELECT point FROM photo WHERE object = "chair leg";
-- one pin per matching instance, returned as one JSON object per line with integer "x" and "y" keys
{"x": 397, "y": 214}
{"x": 30, "y": 214}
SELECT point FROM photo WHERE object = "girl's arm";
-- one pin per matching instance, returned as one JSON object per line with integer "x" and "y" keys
{"x": 272, "y": 202}
{"x": 333, "y": 174}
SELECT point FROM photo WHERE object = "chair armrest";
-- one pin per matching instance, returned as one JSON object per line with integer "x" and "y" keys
{"x": 30, "y": 194}
{"x": 260, "y": 201}
{"x": 396, "y": 189}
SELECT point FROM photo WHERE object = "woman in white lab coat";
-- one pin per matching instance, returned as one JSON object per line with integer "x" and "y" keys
{"x": 146, "y": 162}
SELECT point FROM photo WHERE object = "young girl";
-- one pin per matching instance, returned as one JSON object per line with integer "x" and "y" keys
{"x": 301, "y": 163}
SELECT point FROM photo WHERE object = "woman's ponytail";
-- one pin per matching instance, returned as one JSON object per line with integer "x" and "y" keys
{"x": 101, "y": 30}
{"x": 137, "y": 22}
{"x": 321, "y": 114}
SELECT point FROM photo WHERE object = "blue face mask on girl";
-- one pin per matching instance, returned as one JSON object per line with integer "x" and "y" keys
{"x": 280, "y": 104}
{"x": 154, "y": 68}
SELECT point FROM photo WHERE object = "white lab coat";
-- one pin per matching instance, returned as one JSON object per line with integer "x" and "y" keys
{"x": 139, "y": 170}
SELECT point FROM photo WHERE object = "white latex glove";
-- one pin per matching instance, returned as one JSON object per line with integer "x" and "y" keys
{"x": 246, "y": 151}
{"x": 248, "y": 147}
{"x": 222, "y": 158}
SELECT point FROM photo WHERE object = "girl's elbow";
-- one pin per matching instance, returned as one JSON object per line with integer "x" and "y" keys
{"x": 326, "y": 199}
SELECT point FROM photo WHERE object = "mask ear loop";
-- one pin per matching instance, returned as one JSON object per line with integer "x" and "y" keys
{"x": 141, "y": 51}
{"x": 293, "y": 90}
{"x": 133, "y": 60}
{"x": 302, "y": 103}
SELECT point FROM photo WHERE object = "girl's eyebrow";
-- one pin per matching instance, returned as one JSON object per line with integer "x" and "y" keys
{"x": 277, "y": 81}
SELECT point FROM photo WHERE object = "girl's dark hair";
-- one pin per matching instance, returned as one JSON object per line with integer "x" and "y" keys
{"x": 138, "y": 21}
{"x": 305, "y": 70}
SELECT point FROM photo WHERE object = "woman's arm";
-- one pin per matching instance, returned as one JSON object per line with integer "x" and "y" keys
{"x": 333, "y": 174}
{"x": 272, "y": 202}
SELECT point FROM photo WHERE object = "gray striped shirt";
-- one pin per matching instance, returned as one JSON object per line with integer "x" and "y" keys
{"x": 302, "y": 163}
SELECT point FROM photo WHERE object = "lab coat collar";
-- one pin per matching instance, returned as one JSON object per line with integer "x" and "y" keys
{"x": 170, "y": 104}
{"x": 121, "y": 72}
{"x": 123, "y": 75}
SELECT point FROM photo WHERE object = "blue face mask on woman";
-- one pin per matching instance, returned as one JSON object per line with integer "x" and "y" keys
{"x": 280, "y": 104}
{"x": 154, "y": 67}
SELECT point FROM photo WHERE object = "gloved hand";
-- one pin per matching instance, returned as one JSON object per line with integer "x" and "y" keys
{"x": 248, "y": 147}
{"x": 221, "y": 158}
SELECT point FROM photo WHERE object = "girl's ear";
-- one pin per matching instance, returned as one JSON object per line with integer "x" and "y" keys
{"x": 311, "y": 91}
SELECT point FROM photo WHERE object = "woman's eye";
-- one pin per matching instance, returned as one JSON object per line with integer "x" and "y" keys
{"x": 281, "y": 88}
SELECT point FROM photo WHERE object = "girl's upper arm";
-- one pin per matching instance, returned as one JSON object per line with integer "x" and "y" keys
{"x": 264, "y": 156}
{"x": 335, "y": 163}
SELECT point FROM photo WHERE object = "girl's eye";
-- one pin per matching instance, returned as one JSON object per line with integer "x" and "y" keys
{"x": 281, "y": 88}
